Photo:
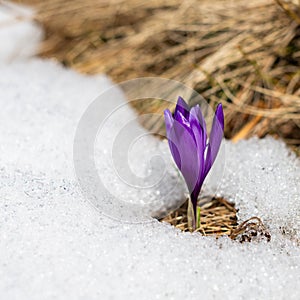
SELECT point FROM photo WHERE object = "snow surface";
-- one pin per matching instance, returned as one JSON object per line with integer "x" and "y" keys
{"x": 19, "y": 35}
{"x": 55, "y": 245}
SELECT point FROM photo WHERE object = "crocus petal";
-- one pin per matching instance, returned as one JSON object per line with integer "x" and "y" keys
{"x": 200, "y": 138}
{"x": 182, "y": 140}
{"x": 182, "y": 107}
{"x": 179, "y": 117}
{"x": 198, "y": 126}
{"x": 198, "y": 113}
{"x": 215, "y": 138}
{"x": 175, "y": 152}
{"x": 168, "y": 119}
{"x": 196, "y": 117}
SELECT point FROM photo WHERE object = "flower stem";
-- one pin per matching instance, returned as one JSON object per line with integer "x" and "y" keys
{"x": 191, "y": 216}
{"x": 198, "y": 217}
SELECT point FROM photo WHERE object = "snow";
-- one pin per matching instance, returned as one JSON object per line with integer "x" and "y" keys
{"x": 19, "y": 35}
{"x": 55, "y": 245}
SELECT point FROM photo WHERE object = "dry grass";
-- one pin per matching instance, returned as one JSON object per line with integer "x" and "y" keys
{"x": 218, "y": 217}
{"x": 245, "y": 54}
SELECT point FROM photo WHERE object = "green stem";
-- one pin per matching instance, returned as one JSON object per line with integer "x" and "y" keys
{"x": 191, "y": 216}
{"x": 198, "y": 217}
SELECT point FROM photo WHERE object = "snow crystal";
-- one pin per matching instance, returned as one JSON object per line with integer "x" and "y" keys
{"x": 54, "y": 244}
{"x": 266, "y": 183}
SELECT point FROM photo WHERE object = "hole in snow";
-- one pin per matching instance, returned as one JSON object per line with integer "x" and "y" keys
{"x": 218, "y": 217}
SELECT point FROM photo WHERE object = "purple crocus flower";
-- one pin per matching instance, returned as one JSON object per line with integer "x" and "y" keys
{"x": 193, "y": 152}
